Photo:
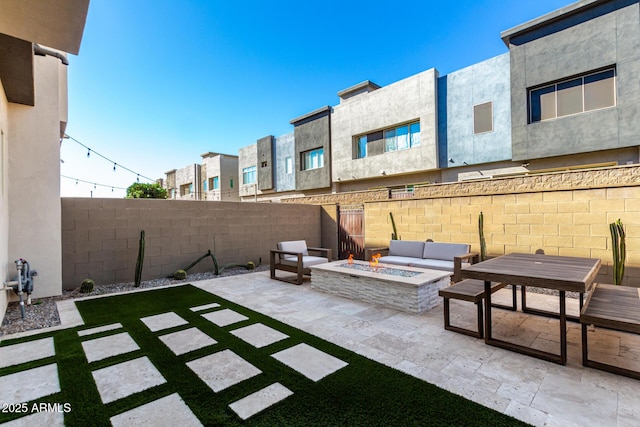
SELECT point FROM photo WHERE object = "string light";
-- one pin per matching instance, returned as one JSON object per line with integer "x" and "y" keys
{"x": 95, "y": 184}
{"x": 89, "y": 150}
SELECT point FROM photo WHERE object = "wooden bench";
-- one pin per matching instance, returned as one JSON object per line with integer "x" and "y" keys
{"x": 473, "y": 291}
{"x": 611, "y": 307}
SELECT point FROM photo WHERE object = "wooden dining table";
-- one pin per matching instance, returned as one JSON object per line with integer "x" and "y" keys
{"x": 560, "y": 273}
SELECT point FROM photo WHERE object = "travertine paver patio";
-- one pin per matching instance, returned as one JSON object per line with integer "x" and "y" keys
{"x": 259, "y": 335}
{"x": 28, "y": 385}
{"x": 163, "y": 321}
{"x": 223, "y": 369}
{"x": 310, "y": 362}
{"x": 535, "y": 391}
{"x": 111, "y": 345}
{"x": 167, "y": 411}
{"x": 126, "y": 378}
{"x": 26, "y": 352}
{"x": 224, "y": 317}
{"x": 191, "y": 339}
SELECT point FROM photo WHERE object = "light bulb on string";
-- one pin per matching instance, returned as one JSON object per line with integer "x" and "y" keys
{"x": 138, "y": 178}
{"x": 112, "y": 189}
{"x": 114, "y": 167}
{"x": 76, "y": 182}
{"x": 94, "y": 186}
{"x": 88, "y": 153}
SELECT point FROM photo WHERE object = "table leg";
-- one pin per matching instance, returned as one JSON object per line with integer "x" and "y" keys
{"x": 551, "y": 357}
{"x": 563, "y": 328}
{"x": 487, "y": 311}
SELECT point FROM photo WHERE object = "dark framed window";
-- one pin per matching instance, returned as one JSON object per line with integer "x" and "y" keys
{"x": 588, "y": 92}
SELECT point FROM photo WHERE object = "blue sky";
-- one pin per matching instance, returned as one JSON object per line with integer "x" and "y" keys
{"x": 159, "y": 82}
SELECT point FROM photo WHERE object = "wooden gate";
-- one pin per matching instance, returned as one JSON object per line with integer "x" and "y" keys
{"x": 351, "y": 231}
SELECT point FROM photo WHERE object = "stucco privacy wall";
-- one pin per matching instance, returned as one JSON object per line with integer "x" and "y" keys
{"x": 4, "y": 199}
{"x": 564, "y": 213}
{"x": 100, "y": 236}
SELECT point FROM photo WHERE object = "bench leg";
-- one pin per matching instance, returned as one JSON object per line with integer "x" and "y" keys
{"x": 449, "y": 327}
{"x": 603, "y": 366}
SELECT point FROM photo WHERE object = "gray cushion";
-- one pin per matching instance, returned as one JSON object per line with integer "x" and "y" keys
{"x": 307, "y": 261}
{"x": 397, "y": 260}
{"x": 435, "y": 264}
{"x": 444, "y": 251}
{"x": 297, "y": 246}
{"x": 406, "y": 248}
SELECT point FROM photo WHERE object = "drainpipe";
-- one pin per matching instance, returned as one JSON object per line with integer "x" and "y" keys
{"x": 43, "y": 51}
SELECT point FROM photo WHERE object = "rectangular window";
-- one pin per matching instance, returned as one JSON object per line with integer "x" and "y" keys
{"x": 249, "y": 175}
{"x": 313, "y": 159}
{"x": 402, "y": 137}
{"x": 288, "y": 163}
{"x": 586, "y": 93}
{"x": 185, "y": 189}
{"x": 361, "y": 147}
{"x": 214, "y": 183}
{"x": 231, "y": 183}
{"x": 483, "y": 118}
{"x": 204, "y": 185}
{"x": 414, "y": 130}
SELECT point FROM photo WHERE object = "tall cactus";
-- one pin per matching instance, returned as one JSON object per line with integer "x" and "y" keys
{"x": 140, "y": 260}
{"x": 619, "y": 249}
{"x": 394, "y": 235}
{"x": 483, "y": 243}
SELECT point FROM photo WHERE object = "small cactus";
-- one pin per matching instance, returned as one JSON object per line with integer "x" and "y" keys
{"x": 180, "y": 275}
{"x": 250, "y": 265}
{"x": 87, "y": 286}
{"x": 483, "y": 242}
{"x": 140, "y": 261}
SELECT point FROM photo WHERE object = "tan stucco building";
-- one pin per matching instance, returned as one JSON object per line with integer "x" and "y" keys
{"x": 35, "y": 36}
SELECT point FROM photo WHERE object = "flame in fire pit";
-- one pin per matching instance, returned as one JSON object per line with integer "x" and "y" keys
{"x": 350, "y": 259}
{"x": 374, "y": 260}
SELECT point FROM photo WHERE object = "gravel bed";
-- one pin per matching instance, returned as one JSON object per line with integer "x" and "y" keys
{"x": 43, "y": 312}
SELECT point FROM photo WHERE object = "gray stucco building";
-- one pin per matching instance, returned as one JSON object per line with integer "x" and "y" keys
{"x": 565, "y": 94}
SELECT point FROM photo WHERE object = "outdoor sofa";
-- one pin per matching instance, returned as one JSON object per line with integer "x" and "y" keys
{"x": 431, "y": 255}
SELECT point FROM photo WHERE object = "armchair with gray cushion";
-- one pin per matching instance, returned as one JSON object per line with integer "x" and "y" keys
{"x": 293, "y": 256}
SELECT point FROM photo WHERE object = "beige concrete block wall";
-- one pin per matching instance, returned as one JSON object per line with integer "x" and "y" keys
{"x": 100, "y": 236}
{"x": 567, "y": 222}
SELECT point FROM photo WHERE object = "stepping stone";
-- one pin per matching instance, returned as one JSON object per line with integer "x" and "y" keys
{"x": 309, "y": 361}
{"x": 223, "y": 369}
{"x": 99, "y": 329}
{"x": 167, "y": 411}
{"x": 205, "y": 307}
{"x": 49, "y": 419}
{"x": 163, "y": 321}
{"x": 126, "y": 378}
{"x": 182, "y": 342}
{"x": 112, "y": 345}
{"x": 29, "y": 385}
{"x": 26, "y": 352}
{"x": 259, "y": 335}
{"x": 260, "y": 400}
{"x": 224, "y": 317}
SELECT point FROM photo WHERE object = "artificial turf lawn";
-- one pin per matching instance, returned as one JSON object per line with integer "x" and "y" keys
{"x": 364, "y": 393}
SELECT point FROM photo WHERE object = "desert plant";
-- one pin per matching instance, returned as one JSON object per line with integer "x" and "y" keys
{"x": 619, "y": 249}
{"x": 87, "y": 286}
{"x": 250, "y": 265}
{"x": 180, "y": 275}
{"x": 394, "y": 235}
{"x": 483, "y": 242}
{"x": 140, "y": 260}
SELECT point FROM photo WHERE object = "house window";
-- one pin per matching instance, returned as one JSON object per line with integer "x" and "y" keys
{"x": 214, "y": 183}
{"x": 204, "y": 185}
{"x": 402, "y": 137}
{"x": 483, "y": 118}
{"x": 288, "y": 163}
{"x": 313, "y": 159}
{"x": 249, "y": 175}
{"x": 577, "y": 95}
{"x": 361, "y": 147}
{"x": 185, "y": 189}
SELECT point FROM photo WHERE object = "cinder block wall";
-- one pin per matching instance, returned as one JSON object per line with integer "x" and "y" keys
{"x": 570, "y": 222}
{"x": 100, "y": 236}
